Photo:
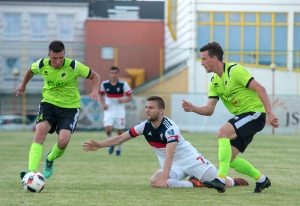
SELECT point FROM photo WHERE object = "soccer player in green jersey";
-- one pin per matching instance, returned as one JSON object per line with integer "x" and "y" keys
{"x": 245, "y": 98}
{"x": 59, "y": 108}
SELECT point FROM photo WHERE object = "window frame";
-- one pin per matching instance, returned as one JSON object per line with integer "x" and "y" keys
{"x": 172, "y": 18}
{"x": 296, "y": 53}
{"x": 270, "y": 22}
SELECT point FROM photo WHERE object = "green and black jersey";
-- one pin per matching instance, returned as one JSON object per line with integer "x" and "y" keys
{"x": 61, "y": 85}
{"x": 233, "y": 90}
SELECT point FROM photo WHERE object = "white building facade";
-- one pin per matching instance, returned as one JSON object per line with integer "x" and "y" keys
{"x": 254, "y": 33}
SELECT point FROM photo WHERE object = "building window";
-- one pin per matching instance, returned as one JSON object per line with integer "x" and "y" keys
{"x": 65, "y": 27}
{"x": 253, "y": 39}
{"x": 38, "y": 26}
{"x": 12, "y": 26}
{"x": 107, "y": 53}
{"x": 296, "y": 59}
{"x": 172, "y": 18}
{"x": 10, "y": 64}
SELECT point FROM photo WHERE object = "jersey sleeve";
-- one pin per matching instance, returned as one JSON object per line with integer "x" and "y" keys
{"x": 35, "y": 66}
{"x": 102, "y": 89}
{"x": 172, "y": 134}
{"x": 241, "y": 75}
{"x": 212, "y": 93}
{"x": 82, "y": 70}
{"x": 137, "y": 129}
{"x": 127, "y": 89}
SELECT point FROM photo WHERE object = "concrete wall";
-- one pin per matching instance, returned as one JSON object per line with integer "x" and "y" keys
{"x": 137, "y": 45}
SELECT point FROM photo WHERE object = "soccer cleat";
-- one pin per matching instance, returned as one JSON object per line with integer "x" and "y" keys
{"x": 216, "y": 184}
{"x": 118, "y": 153}
{"x": 240, "y": 182}
{"x": 196, "y": 182}
{"x": 22, "y": 174}
{"x": 48, "y": 167}
{"x": 260, "y": 186}
{"x": 111, "y": 150}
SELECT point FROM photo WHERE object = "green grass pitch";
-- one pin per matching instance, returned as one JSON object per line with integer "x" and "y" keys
{"x": 97, "y": 178}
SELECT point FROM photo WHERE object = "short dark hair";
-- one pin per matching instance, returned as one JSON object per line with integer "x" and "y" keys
{"x": 159, "y": 100}
{"x": 114, "y": 68}
{"x": 214, "y": 49}
{"x": 56, "y": 46}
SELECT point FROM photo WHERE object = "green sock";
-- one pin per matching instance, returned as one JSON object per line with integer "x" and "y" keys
{"x": 35, "y": 155}
{"x": 244, "y": 167}
{"x": 55, "y": 153}
{"x": 224, "y": 157}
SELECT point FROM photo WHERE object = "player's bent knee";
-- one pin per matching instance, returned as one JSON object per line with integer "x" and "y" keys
{"x": 155, "y": 177}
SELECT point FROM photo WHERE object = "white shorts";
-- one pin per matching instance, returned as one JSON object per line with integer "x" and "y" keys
{"x": 115, "y": 122}
{"x": 203, "y": 172}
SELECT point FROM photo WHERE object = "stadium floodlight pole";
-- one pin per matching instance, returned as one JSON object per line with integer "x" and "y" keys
{"x": 15, "y": 73}
{"x": 273, "y": 68}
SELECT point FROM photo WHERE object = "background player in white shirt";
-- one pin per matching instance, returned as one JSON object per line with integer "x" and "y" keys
{"x": 114, "y": 104}
{"x": 177, "y": 157}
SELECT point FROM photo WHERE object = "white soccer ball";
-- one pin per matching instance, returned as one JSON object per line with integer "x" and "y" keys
{"x": 33, "y": 182}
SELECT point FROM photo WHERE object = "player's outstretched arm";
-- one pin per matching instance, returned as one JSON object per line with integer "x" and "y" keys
{"x": 113, "y": 141}
{"x": 22, "y": 87}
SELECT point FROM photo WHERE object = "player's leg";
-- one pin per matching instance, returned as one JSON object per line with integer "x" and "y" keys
{"x": 224, "y": 153}
{"x": 212, "y": 173}
{"x": 119, "y": 125}
{"x": 246, "y": 133}
{"x": 175, "y": 178}
{"x": 42, "y": 128}
{"x": 119, "y": 147}
{"x": 108, "y": 122}
{"x": 66, "y": 124}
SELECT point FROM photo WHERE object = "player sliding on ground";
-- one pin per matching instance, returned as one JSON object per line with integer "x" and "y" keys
{"x": 178, "y": 158}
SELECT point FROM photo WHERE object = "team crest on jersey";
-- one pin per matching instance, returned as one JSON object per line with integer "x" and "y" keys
{"x": 161, "y": 136}
{"x": 63, "y": 75}
{"x": 171, "y": 132}
{"x": 118, "y": 89}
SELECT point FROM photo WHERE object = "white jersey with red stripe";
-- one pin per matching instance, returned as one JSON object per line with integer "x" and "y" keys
{"x": 112, "y": 94}
{"x": 166, "y": 133}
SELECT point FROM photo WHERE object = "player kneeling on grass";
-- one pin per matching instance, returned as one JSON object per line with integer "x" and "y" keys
{"x": 178, "y": 158}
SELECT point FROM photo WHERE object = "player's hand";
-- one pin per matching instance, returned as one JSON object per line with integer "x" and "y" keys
{"x": 20, "y": 89}
{"x": 90, "y": 146}
{"x": 105, "y": 107}
{"x": 161, "y": 183}
{"x": 273, "y": 120}
{"x": 187, "y": 106}
{"x": 121, "y": 101}
{"x": 94, "y": 95}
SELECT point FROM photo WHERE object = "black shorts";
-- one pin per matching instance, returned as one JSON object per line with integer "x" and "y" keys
{"x": 246, "y": 125}
{"x": 59, "y": 118}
